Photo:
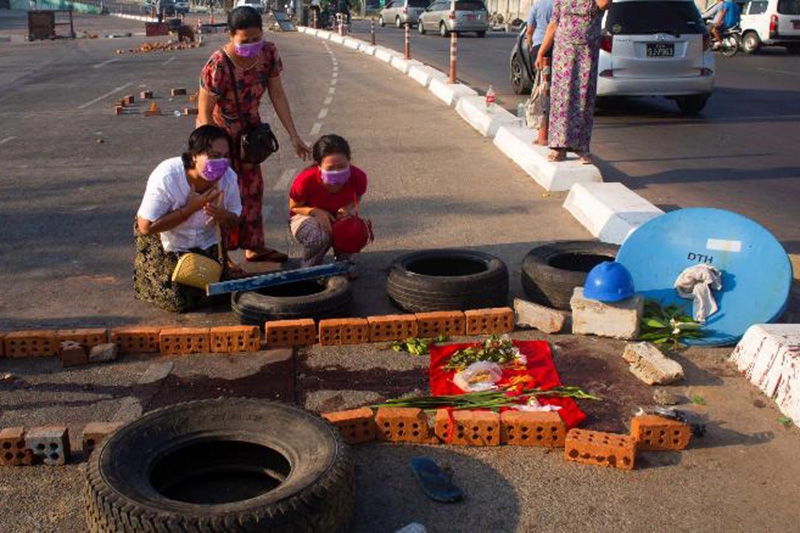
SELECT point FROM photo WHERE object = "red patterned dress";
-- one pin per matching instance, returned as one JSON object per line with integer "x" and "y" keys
{"x": 251, "y": 83}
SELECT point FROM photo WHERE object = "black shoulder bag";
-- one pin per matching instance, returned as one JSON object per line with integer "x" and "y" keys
{"x": 258, "y": 142}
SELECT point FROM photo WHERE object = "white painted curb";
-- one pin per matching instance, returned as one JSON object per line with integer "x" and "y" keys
{"x": 403, "y": 65}
{"x": 134, "y": 17}
{"x": 353, "y": 44}
{"x": 610, "y": 211}
{"x": 336, "y": 38}
{"x": 769, "y": 356}
{"x": 368, "y": 49}
{"x": 324, "y": 35}
{"x": 423, "y": 74}
{"x": 449, "y": 93}
{"x": 473, "y": 110}
{"x": 517, "y": 143}
{"x": 384, "y": 54}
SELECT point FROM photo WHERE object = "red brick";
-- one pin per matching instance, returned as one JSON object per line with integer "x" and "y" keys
{"x": 392, "y": 327}
{"x": 600, "y": 449}
{"x": 71, "y": 353}
{"x": 178, "y": 92}
{"x": 522, "y": 428}
{"x": 356, "y": 425}
{"x": 447, "y": 323}
{"x": 88, "y": 338}
{"x": 190, "y": 111}
{"x": 656, "y": 433}
{"x": 95, "y": 432}
{"x": 340, "y": 331}
{"x": 472, "y": 428}
{"x": 129, "y": 99}
{"x": 183, "y": 341}
{"x": 31, "y": 344}
{"x": 50, "y": 444}
{"x": 403, "y": 424}
{"x": 290, "y": 333}
{"x": 146, "y": 95}
{"x": 138, "y": 339}
{"x": 489, "y": 321}
{"x": 232, "y": 339}
{"x": 12, "y": 448}
{"x": 118, "y": 110}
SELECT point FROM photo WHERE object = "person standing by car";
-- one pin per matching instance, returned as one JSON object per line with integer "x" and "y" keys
{"x": 538, "y": 19}
{"x": 250, "y": 66}
{"x": 344, "y": 10}
{"x": 729, "y": 16}
{"x": 159, "y": 11}
{"x": 574, "y": 35}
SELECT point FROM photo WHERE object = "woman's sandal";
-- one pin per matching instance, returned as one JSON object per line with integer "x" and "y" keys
{"x": 266, "y": 254}
{"x": 585, "y": 158}
{"x": 557, "y": 155}
{"x": 235, "y": 271}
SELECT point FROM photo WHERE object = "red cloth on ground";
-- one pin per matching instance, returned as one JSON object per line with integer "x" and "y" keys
{"x": 540, "y": 368}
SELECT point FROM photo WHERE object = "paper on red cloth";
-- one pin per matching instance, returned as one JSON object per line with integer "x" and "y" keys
{"x": 540, "y": 368}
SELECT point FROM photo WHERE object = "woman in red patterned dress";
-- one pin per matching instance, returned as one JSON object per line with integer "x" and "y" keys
{"x": 257, "y": 68}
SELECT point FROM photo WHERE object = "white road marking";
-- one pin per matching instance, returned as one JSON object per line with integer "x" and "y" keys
{"x": 333, "y": 81}
{"x": 790, "y": 73}
{"x": 335, "y": 74}
{"x": 8, "y": 139}
{"x": 104, "y": 63}
{"x": 168, "y": 61}
{"x": 323, "y": 113}
{"x": 109, "y": 93}
{"x": 332, "y": 90}
{"x": 315, "y": 128}
{"x": 286, "y": 177}
{"x": 328, "y": 100}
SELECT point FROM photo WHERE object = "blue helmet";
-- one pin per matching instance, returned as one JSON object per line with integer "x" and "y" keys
{"x": 608, "y": 282}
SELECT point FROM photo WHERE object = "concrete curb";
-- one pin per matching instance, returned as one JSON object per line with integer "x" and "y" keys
{"x": 404, "y": 65}
{"x": 473, "y": 110}
{"x": 449, "y": 93}
{"x": 385, "y": 54}
{"x": 610, "y": 211}
{"x": 134, "y": 17}
{"x": 424, "y": 74}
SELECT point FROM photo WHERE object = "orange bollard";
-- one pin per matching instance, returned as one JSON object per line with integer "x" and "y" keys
{"x": 453, "y": 57}
{"x": 542, "y": 139}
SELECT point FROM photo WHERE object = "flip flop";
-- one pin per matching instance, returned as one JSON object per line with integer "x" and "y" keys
{"x": 435, "y": 483}
{"x": 267, "y": 254}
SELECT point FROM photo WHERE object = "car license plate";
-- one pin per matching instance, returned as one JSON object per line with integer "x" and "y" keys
{"x": 660, "y": 50}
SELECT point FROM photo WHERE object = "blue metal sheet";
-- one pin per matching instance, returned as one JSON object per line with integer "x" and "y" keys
{"x": 281, "y": 277}
{"x": 756, "y": 272}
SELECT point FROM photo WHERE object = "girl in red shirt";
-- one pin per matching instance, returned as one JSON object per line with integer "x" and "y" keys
{"x": 322, "y": 193}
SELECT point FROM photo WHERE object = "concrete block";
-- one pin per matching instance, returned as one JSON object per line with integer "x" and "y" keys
{"x": 119, "y": 110}
{"x": 50, "y": 444}
{"x": 103, "y": 353}
{"x": 353, "y": 44}
{"x": 356, "y": 425}
{"x": 655, "y": 433}
{"x": 37, "y": 343}
{"x": 447, "y": 323}
{"x": 650, "y": 365}
{"x": 489, "y": 321}
{"x": 368, "y": 49}
{"x": 516, "y": 142}
{"x": 233, "y": 339}
{"x": 182, "y": 341}
{"x": 468, "y": 428}
{"x": 341, "y": 331}
{"x": 13, "y": 451}
{"x": 71, "y": 353}
{"x": 392, "y": 327}
{"x": 146, "y": 95}
{"x": 290, "y": 333}
{"x": 95, "y": 432}
{"x": 336, "y": 38}
{"x": 609, "y": 211}
{"x": 619, "y": 320}
{"x": 600, "y": 449}
{"x": 384, "y": 54}
{"x": 769, "y": 357}
{"x": 473, "y": 110}
{"x": 449, "y": 93}
{"x": 404, "y": 65}
{"x": 423, "y": 74}
{"x": 532, "y": 315}
{"x": 88, "y": 338}
{"x": 524, "y": 428}
{"x": 137, "y": 339}
{"x": 402, "y": 424}
{"x": 323, "y": 34}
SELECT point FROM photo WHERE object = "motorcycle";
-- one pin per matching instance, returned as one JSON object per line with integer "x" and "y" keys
{"x": 731, "y": 40}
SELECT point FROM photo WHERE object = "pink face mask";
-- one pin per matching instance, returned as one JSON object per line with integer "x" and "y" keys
{"x": 248, "y": 50}
{"x": 214, "y": 169}
{"x": 335, "y": 178}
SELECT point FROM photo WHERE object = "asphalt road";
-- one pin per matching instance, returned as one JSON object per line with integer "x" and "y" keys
{"x": 740, "y": 155}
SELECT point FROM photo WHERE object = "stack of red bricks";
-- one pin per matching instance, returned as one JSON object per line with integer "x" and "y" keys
{"x": 48, "y": 445}
{"x": 512, "y": 428}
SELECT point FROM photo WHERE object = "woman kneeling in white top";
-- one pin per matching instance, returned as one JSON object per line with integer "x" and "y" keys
{"x": 186, "y": 199}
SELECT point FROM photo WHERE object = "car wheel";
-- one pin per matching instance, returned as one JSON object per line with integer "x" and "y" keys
{"x": 692, "y": 105}
{"x": 443, "y": 30}
{"x": 751, "y": 43}
{"x": 381, "y": 22}
{"x": 481, "y": 34}
{"x": 420, "y": 27}
{"x": 518, "y": 84}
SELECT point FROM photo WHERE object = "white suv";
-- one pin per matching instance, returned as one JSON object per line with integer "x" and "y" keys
{"x": 771, "y": 22}
{"x": 656, "y": 48}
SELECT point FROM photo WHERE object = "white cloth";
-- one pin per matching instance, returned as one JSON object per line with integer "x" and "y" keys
{"x": 168, "y": 189}
{"x": 696, "y": 282}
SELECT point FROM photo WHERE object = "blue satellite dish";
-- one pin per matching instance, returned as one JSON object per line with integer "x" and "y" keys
{"x": 756, "y": 272}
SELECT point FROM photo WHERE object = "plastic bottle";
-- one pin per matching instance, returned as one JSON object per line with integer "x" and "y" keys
{"x": 490, "y": 99}
{"x": 521, "y": 114}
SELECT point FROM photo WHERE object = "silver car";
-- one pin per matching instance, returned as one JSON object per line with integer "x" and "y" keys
{"x": 457, "y": 16}
{"x": 398, "y": 12}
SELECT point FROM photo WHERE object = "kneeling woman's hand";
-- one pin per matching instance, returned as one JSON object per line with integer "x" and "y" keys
{"x": 325, "y": 218}
{"x": 220, "y": 215}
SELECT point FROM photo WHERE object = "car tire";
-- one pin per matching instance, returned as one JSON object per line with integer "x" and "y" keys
{"x": 222, "y": 465}
{"x": 318, "y": 299}
{"x": 481, "y": 34}
{"x": 692, "y": 105}
{"x": 447, "y": 280}
{"x": 551, "y": 272}
{"x": 751, "y": 44}
{"x": 518, "y": 78}
{"x": 420, "y": 27}
{"x": 443, "y": 30}
{"x": 381, "y": 22}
